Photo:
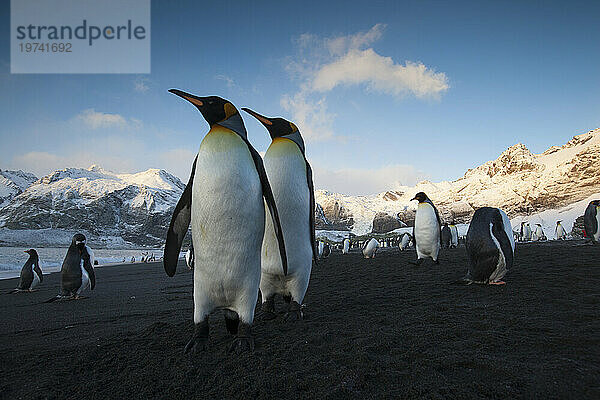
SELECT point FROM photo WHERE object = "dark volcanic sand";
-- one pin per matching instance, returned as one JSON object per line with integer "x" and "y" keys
{"x": 377, "y": 328}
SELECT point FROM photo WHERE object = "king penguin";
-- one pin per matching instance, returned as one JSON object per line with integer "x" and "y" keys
{"x": 539, "y": 232}
{"x": 405, "y": 241}
{"x": 559, "y": 231}
{"x": 453, "y": 236}
{"x": 346, "y": 247}
{"x": 189, "y": 257}
{"x": 31, "y": 273}
{"x": 446, "y": 236}
{"x": 490, "y": 247}
{"x": 591, "y": 221}
{"x": 427, "y": 229}
{"x": 370, "y": 248}
{"x": 291, "y": 178}
{"x": 77, "y": 271}
{"x": 223, "y": 200}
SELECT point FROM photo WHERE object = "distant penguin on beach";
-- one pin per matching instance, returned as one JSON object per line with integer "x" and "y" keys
{"x": 446, "y": 236}
{"x": 320, "y": 248}
{"x": 539, "y": 232}
{"x": 525, "y": 232}
{"x": 291, "y": 179}
{"x": 346, "y": 247}
{"x": 326, "y": 250}
{"x": 490, "y": 247}
{"x": 405, "y": 241}
{"x": 453, "y": 236}
{"x": 559, "y": 231}
{"x": 228, "y": 179}
{"x": 189, "y": 257}
{"x": 591, "y": 221}
{"x": 77, "y": 272}
{"x": 370, "y": 248}
{"x": 31, "y": 273}
{"x": 427, "y": 229}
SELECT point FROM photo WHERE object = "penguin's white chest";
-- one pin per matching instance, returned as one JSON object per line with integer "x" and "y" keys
{"x": 227, "y": 218}
{"x": 85, "y": 278}
{"x": 36, "y": 279}
{"x": 286, "y": 170}
{"x": 427, "y": 232}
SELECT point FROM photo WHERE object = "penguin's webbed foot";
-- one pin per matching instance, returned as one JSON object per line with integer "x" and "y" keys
{"x": 267, "y": 310}
{"x": 199, "y": 340}
{"x": 294, "y": 312}
{"x": 416, "y": 263}
{"x": 244, "y": 341}
{"x": 437, "y": 262}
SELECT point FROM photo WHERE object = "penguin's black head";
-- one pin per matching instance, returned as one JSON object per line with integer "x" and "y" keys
{"x": 32, "y": 252}
{"x": 214, "y": 109}
{"x": 78, "y": 240}
{"x": 277, "y": 127}
{"x": 558, "y": 222}
{"x": 595, "y": 202}
{"x": 421, "y": 197}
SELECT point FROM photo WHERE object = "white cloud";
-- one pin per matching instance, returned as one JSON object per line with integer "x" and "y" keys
{"x": 362, "y": 181}
{"x": 228, "y": 81}
{"x": 94, "y": 119}
{"x": 380, "y": 74}
{"x": 311, "y": 115}
{"x": 322, "y": 64}
{"x": 141, "y": 85}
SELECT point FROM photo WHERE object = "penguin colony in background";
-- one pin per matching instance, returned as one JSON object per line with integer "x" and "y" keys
{"x": 290, "y": 176}
{"x": 228, "y": 177}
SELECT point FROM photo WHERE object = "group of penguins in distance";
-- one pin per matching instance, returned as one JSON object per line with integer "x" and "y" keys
{"x": 240, "y": 249}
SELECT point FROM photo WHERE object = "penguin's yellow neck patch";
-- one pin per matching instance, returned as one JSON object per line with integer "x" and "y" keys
{"x": 282, "y": 147}
{"x": 220, "y": 139}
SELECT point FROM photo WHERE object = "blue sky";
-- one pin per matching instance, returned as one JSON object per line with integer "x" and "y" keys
{"x": 385, "y": 94}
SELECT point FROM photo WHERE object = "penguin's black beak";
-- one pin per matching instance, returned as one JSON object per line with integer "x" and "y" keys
{"x": 414, "y": 198}
{"x": 195, "y": 100}
{"x": 263, "y": 120}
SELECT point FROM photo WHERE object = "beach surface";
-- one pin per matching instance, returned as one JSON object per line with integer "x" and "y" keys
{"x": 377, "y": 328}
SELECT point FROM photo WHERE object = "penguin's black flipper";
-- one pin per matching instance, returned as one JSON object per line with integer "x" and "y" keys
{"x": 179, "y": 226}
{"x": 311, "y": 190}
{"x": 270, "y": 200}
{"x": 590, "y": 222}
{"x": 87, "y": 265}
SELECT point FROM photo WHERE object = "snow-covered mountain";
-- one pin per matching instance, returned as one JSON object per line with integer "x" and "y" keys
{"x": 519, "y": 182}
{"x": 135, "y": 207}
{"x": 13, "y": 183}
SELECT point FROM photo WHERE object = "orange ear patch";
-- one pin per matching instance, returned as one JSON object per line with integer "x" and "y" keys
{"x": 229, "y": 110}
{"x": 194, "y": 101}
{"x": 294, "y": 129}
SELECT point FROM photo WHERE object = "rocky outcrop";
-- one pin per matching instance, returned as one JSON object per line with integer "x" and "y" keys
{"x": 13, "y": 183}
{"x": 384, "y": 223}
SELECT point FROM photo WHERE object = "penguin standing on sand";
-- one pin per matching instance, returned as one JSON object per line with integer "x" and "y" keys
{"x": 427, "y": 229}
{"x": 223, "y": 200}
{"x": 326, "y": 250}
{"x": 591, "y": 221}
{"x": 189, "y": 257}
{"x": 559, "y": 231}
{"x": 405, "y": 241}
{"x": 446, "y": 236}
{"x": 453, "y": 236}
{"x": 370, "y": 248}
{"x": 320, "y": 248}
{"x": 291, "y": 179}
{"x": 527, "y": 234}
{"x": 31, "y": 273}
{"x": 490, "y": 247}
{"x": 539, "y": 232}
{"x": 346, "y": 247}
{"x": 77, "y": 271}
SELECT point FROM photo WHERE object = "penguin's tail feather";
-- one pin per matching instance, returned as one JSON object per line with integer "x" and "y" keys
{"x": 462, "y": 281}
